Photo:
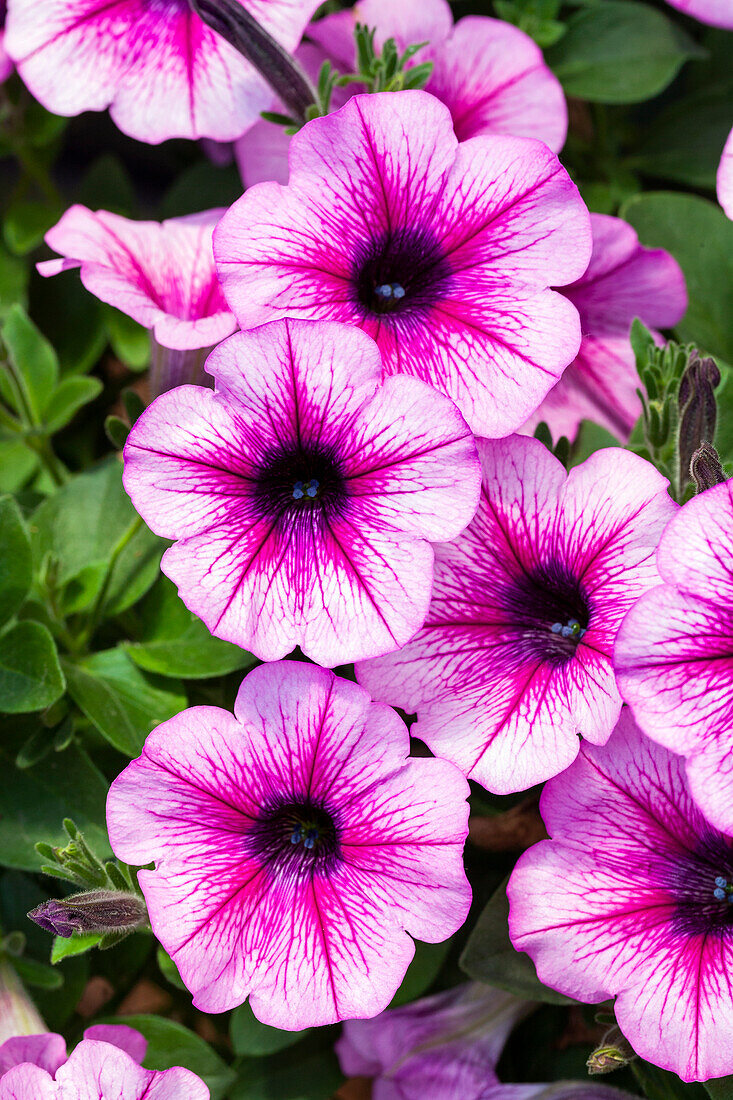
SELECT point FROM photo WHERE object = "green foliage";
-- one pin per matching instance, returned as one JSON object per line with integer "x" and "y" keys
{"x": 721, "y": 1088}
{"x": 69, "y": 947}
{"x": 16, "y": 573}
{"x": 30, "y": 674}
{"x": 537, "y": 18}
{"x": 254, "y": 1039}
{"x": 490, "y": 957}
{"x": 307, "y": 1071}
{"x": 619, "y": 51}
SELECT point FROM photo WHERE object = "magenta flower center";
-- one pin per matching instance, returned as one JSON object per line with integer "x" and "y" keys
{"x": 297, "y": 837}
{"x": 405, "y": 271}
{"x": 701, "y": 884}
{"x": 549, "y": 611}
{"x": 298, "y": 481}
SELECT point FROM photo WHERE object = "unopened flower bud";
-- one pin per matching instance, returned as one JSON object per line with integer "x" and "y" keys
{"x": 100, "y": 911}
{"x": 697, "y": 408}
{"x": 613, "y": 1053}
{"x": 706, "y": 469}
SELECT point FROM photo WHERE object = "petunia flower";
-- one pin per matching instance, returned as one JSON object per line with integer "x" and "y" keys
{"x": 159, "y": 68}
{"x": 490, "y": 75}
{"x": 514, "y": 659}
{"x": 6, "y": 65}
{"x": 443, "y": 252}
{"x": 719, "y": 13}
{"x": 674, "y": 652}
{"x": 724, "y": 180}
{"x": 160, "y": 274}
{"x": 104, "y": 1066}
{"x": 303, "y": 492}
{"x": 18, "y": 1013}
{"x": 446, "y": 1047}
{"x": 296, "y": 846}
{"x": 625, "y": 900}
{"x": 623, "y": 281}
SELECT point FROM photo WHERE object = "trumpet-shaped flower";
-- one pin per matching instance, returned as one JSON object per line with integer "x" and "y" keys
{"x": 623, "y": 281}
{"x": 631, "y": 898}
{"x": 159, "y": 68}
{"x": 160, "y": 274}
{"x": 104, "y": 1066}
{"x": 443, "y": 252}
{"x": 296, "y": 846}
{"x": 304, "y": 492}
{"x": 674, "y": 653}
{"x": 725, "y": 177}
{"x": 490, "y": 75}
{"x": 446, "y": 1047}
{"x": 514, "y": 659}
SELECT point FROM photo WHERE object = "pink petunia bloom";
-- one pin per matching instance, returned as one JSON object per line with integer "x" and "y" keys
{"x": 104, "y": 1066}
{"x": 514, "y": 660}
{"x": 625, "y": 900}
{"x": 160, "y": 274}
{"x": 296, "y": 846}
{"x": 490, "y": 75}
{"x": 674, "y": 653}
{"x": 443, "y": 252}
{"x": 6, "y": 65}
{"x": 162, "y": 72}
{"x": 304, "y": 492}
{"x": 725, "y": 177}
{"x": 623, "y": 281}
{"x": 719, "y": 13}
{"x": 446, "y": 1047}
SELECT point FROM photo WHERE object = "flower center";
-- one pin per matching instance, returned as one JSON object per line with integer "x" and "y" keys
{"x": 701, "y": 885}
{"x": 549, "y": 612}
{"x": 403, "y": 271}
{"x": 296, "y": 482}
{"x": 298, "y": 837}
{"x": 722, "y": 891}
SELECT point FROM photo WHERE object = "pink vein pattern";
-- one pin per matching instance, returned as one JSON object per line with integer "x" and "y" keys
{"x": 514, "y": 659}
{"x": 620, "y": 902}
{"x": 297, "y": 848}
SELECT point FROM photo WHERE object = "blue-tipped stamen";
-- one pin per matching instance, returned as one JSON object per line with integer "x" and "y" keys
{"x": 722, "y": 891}
{"x": 390, "y": 292}
{"x": 297, "y": 835}
{"x": 309, "y": 834}
{"x": 308, "y": 489}
{"x": 571, "y": 629}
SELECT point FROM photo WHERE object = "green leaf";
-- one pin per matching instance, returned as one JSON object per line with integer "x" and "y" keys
{"x": 13, "y": 282}
{"x": 422, "y": 971}
{"x": 107, "y": 186}
{"x": 700, "y": 237}
{"x": 72, "y": 320}
{"x": 176, "y": 643}
{"x": 590, "y": 438}
{"x": 37, "y": 974}
{"x": 169, "y": 970}
{"x": 685, "y": 140}
{"x": 34, "y": 360}
{"x": 78, "y": 944}
{"x": 720, "y": 1088}
{"x": 170, "y": 1044}
{"x": 18, "y": 463}
{"x": 117, "y": 430}
{"x": 124, "y": 703}
{"x": 201, "y": 187}
{"x": 36, "y": 800}
{"x": 30, "y": 674}
{"x": 26, "y": 223}
{"x": 130, "y": 341}
{"x": 490, "y": 957}
{"x": 307, "y": 1072}
{"x": 16, "y": 566}
{"x": 81, "y": 524}
{"x": 81, "y": 591}
{"x": 252, "y": 1038}
{"x": 619, "y": 52}
{"x": 70, "y": 396}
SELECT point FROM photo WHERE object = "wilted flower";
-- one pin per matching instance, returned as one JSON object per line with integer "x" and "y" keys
{"x": 631, "y": 898}
{"x": 623, "y": 281}
{"x": 159, "y": 68}
{"x": 103, "y": 1065}
{"x": 674, "y": 653}
{"x": 490, "y": 75}
{"x": 725, "y": 177}
{"x": 303, "y": 492}
{"x": 296, "y": 846}
{"x": 444, "y": 253}
{"x": 160, "y": 273}
{"x": 514, "y": 659}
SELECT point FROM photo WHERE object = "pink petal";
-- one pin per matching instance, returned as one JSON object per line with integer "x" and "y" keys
{"x": 725, "y": 177}
{"x": 28, "y": 1082}
{"x": 47, "y": 1051}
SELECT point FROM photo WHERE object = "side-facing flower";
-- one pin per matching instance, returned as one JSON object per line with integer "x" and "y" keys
{"x": 104, "y": 1066}
{"x": 446, "y": 1047}
{"x": 490, "y": 75}
{"x": 623, "y": 281}
{"x": 443, "y": 252}
{"x": 303, "y": 492}
{"x": 296, "y": 846}
{"x": 724, "y": 179}
{"x": 674, "y": 653}
{"x": 719, "y": 13}
{"x": 514, "y": 659}
{"x": 630, "y": 898}
{"x": 159, "y": 68}
{"x": 160, "y": 273}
